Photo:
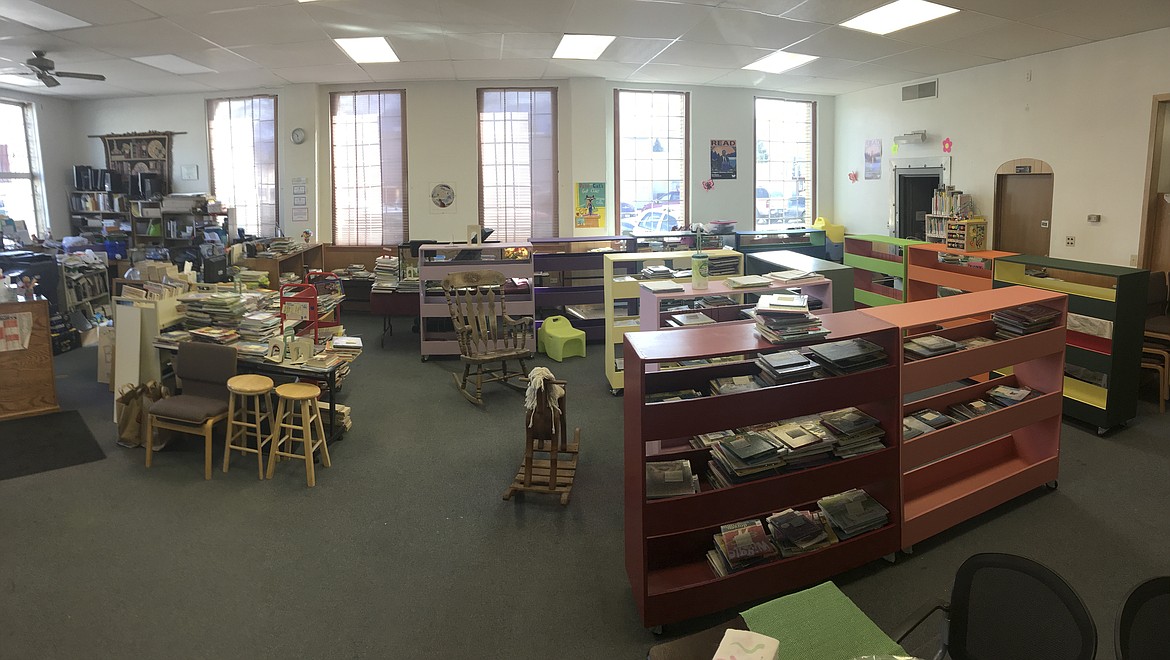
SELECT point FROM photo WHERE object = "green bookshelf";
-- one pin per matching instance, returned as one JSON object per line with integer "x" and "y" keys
{"x": 879, "y": 268}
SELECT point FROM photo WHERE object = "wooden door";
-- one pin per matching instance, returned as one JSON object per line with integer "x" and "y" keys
{"x": 1159, "y": 249}
{"x": 1023, "y": 213}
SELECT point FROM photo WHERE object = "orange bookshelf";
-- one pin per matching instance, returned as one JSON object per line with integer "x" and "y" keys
{"x": 925, "y": 273}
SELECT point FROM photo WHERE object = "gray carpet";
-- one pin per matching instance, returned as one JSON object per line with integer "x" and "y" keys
{"x": 405, "y": 549}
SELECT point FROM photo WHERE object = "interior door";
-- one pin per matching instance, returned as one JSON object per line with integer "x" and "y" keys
{"x": 1023, "y": 213}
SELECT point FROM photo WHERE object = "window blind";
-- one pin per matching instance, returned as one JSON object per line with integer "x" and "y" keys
{"x": 786, "y": 158}
{"x": 242, "y": 138}
{"x": 369, "y": 167}
{"x": 518, "y": 163}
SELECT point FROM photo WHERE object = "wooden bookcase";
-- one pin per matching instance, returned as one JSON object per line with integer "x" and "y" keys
{"x": 650, "y": 316}
{"x": 310, "y": 257}
{"x": 758, "y": 263}
{"x": 925, "y": 273}
{"x": 1112, "y": 293}
{"x": 436, "y": 261}
{"x": 626, "y": 293}
{"x": 568, "y": 273}
{"x": 666, "y": 540}
{"x": 879, "y": 268}
{"x": 962, "y": 470}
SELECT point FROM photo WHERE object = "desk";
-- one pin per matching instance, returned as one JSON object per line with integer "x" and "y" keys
{"x": 246, "y": 366}
{"x": 393, "y": 303}
{"x": 311, "y": 257}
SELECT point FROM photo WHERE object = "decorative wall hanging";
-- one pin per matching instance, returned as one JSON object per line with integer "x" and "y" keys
{"x": 853, "y": 176}
{"x": 947, "y": 145}
{"x": 133, "y": 153}
{"x": 723, "y": 159}
{"x": 873, "y": 159}
{"x": 708, "y": 184}
{"x": 590, "y": 210}
{"x": 894, "y": 148}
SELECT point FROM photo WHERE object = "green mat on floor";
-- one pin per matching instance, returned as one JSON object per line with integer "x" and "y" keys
{"x": 820, "y": 623}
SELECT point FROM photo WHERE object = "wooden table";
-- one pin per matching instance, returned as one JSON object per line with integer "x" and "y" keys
{"x": 393, "y": 303}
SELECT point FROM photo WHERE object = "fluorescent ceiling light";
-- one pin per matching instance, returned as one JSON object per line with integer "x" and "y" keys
{"x": 22, "y": 81}
{"x": 898, "y": 15}
{"x": 779, "y": 62}
{"x": 38, "y": 16}
{"x": 367, "y": 49}
{"x": 582, "y": 46}
{"x": 172, "y": 63}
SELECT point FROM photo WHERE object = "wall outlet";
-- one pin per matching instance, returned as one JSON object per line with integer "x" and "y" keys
{"x": 1094, "y": 217}
{"x": 1070, "y": 241}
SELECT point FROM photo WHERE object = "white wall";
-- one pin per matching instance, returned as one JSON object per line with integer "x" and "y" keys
{"x": 1086, "y": 111}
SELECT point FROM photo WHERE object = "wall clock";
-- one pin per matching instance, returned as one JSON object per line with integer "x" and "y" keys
{"x": 298, "y": 135}
{"x": 443, "y": 195}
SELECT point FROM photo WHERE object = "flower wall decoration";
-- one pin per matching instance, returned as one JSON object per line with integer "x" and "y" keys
{"x": 853, "y": 176}
{"x": 947, "y": 146}
{"x": 708, "y": 184}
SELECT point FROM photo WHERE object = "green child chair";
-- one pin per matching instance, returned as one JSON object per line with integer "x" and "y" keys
{"x": 558, "y": 339}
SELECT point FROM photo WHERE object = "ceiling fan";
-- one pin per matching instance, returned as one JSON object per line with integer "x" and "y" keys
{"x": 44, "y": 69}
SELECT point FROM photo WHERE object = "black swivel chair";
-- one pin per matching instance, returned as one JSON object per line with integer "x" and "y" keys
{"x": 1143, "y": 628}
{"x": 1010, "y": 608}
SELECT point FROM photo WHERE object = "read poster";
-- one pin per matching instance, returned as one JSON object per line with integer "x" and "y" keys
{"x": 723, "y": 159}
{"x": 590, "y": 211}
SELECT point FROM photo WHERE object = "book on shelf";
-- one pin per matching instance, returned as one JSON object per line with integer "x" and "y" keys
{"x": 1005, "y": 395}
{"x": 750, "y": 447}
{"x": 662, "y": 286}
{"x": 1023, "y": 320}
{"x": 975, "y": 342}
{"x": 670, "y": 479}
{"x": 771, "y": 305}
{"x": 933, "y": 418}
{"x": 930, "y": 346}
{"x": 791, "y": 275}
{"x": 733, "y": 384}
{"x": 651, "y": 272}
{"x": 912, "y": 427}
{"x": 848, "y": 356}
{"x": 853, "y": 512}
{"x": 706, "y": 440}
{"x": 745, "y": 542}
{"x": 714, "y": 301}
{"x": 747, "y": 281}
{"x": 674, "y": 395}
{"x": 691, "y": 319}
{"x": 848, "y": 420}
{"x": 972, "y": 409}
{"x": 801, "y": 529}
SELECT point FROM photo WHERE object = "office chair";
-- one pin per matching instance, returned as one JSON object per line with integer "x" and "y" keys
{"x": 1010, "y": 608}
{"x": 1142, "y": 630}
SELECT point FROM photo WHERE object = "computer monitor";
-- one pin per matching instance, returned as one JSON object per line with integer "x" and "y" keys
{"x": 472, "y": 255}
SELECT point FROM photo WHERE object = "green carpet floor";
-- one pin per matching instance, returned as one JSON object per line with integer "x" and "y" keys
{"x": 406, "y": 550}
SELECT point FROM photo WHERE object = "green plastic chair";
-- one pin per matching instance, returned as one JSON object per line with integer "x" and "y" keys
{"x": 558, "y": 339}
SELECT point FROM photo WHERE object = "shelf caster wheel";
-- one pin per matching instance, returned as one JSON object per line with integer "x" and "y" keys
{"x": 891, "y": 558}
{"x": 424, "y": 358}
{"x": 1053, "y": 485}
{"x": 656, "y": 630}
{"x": 616, "y": 391}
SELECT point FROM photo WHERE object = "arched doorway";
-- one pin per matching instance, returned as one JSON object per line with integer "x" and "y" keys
{"x": 1023, "y": 207}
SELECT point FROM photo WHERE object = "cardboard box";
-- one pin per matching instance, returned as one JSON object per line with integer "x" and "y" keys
{"x": 105, "y": 365}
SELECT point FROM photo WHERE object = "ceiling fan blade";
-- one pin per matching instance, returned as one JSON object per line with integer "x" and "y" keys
{"x": 49, "y": 81}
{"x": 83, "y": 76}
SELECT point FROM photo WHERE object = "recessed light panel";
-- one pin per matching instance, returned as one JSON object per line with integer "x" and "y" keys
{"x": 582, "y": 46}
{"x": 38, "y": 16}
{"x": 898, "y": 15}
{"x": 173, "y": 63}
{"x": 365, "y": 50}
{"x": 779, "y": 62}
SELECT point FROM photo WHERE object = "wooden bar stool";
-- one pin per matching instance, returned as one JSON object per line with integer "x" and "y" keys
{"x": 248, "y": 390}
{"x": 297, "y": 410}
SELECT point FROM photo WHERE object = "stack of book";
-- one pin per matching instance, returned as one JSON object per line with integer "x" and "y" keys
{"x": 849, "y": 356}
{"x": 929, "y": 346}
{"x": 1007, "y": 396}
{"x": 656, "y": 272}
{"x": 972, "y": 409}
{"x": 797, "y": 532}
{"x": 719, "y": 266}
{"x": 707, "y": 302}
{"x": 784, "y": 318}
{"x": 733, "y": 384}
{"x": 689, "y": 319}
{"x": 204, "y": 309}
{"x": 670, "y": 479}
{"x": 254, "y": 350}
{"x": 786, "y": 367}
{"x": 344, "y": 419}
{"x": 747, "y": 281}
{"x": 253, "y": 279}
{"x": 346, "y": 347}
{"x": 1023, "y": 320}
{"x": 853, "y": 512}
{"x": 172, "y": 339}
{"x": 857, "y": 433}
{"x": 385, "y": 273}
{"x": 740, "y": 545}
{"x": 927, "y": 420}
{"x": 259, "y": 326}
{"x": 807, "y": 443}
{"x": 674, "y": 395}
{"x": 663, "y": 286}
{"x": 791, "y": 276}
{"x": 215, "y": 335}
{"x": 744, "y": 457}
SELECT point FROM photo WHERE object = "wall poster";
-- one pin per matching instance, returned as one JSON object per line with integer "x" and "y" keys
{"x": 723, "y": 159}
{"x": 873, "y": 159}
{"x": 590, "y": 207}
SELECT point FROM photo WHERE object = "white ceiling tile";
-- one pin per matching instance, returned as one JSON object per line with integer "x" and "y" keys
{"x": 770, "y": 7}
{"x": 589, "y": 69}
{"x": 14, "y": 29}
{"x": 830, "y": 86}
{"x": 325, "y": 74}
{"x": 499, "y": 69}
{"x": 678, "y": 74}
{"x": 529, "y": 45}
{"x": 256, "y": 26}
{"x": 933, "y": 60}
{"x": 823, "y": 67}
{"x": 372, "y": 17}
{"x": 475, "y": 46}
{"x": 1012, "y": 9}
{"x": 635, "y": 19}
{"x": 942, "y": 30}
{"x": 875, "y": 73}
{"x": 284, "y": 56}
{"x": 515, "y": 15}
{"x": 219, "y": 59}
{"x": 634, "y": 51}
{"x": 156, "y": 36}
{"x": 100, "y": 12}
{"x": 745, "y": 28}
{"x": 57, "y": 49}
{"x": 1013, "y": 40}
{"x": 173, "y": 85}
{"x": 385, "y": 29}
{"x": 179, "y": 7}
{"x": 1094, "y": 20}
{"x": 239, "y": 79}
{"x": 757, "y": 80}
{"x": 710, "y": 55}
{"x": 392, "y": 71}
{"x": 419, "y": 47}
{"x": 833, "y": 12}
{"x": 849, "y": 44}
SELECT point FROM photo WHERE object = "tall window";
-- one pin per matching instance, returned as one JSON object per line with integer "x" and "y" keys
{"x": 518, "y": 162}
{"x": 652, "y": 146}
{"x": 369, "y": 167}
{"x": 242, "y": 136}
{"x": 19, "y": 167}
{"x": 785, "y": 161}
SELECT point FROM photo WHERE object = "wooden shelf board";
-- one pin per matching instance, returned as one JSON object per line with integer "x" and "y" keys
{"x": 873, "y": 299}
{"x": 980, "y": 302}
{"x": 972, "y": 281}
{"x": 1093, "y": 343}
{"x": 930, "y": 447}
{"x": 1086, "y": 393}
{"x": 893, "y": 266}
{"x": 928, "y": 372}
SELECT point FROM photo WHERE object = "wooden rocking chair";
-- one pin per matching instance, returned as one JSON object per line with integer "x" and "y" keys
{"x": 550, "y": 456}
{"x": 488, "y": 337}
